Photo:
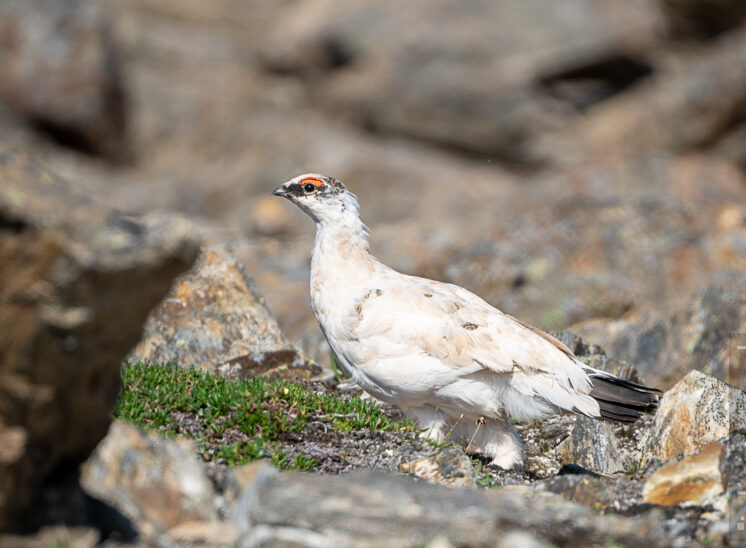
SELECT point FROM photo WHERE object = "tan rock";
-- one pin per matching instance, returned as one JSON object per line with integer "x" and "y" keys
{"x": 157, "y": 483}
{"x": 698, "y": 410}
{"x": 205, "y": 533}
{"x": 247, "y": 473}
{"x": 449, "y": 467}
{"x": 69, "y": 537}
{"x": 692, "y": 479}
{"x": 215, "y": 318}
{"x": 12, "y": 444}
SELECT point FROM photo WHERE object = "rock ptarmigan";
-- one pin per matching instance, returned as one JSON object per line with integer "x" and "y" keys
{"x": 455, "y": 364}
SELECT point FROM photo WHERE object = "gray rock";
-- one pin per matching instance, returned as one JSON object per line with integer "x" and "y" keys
{"x": 60, "y": 70}
{"x": 686, "y": 105}
{"x": 667, "y": 342}
{"x": 595, "y": 356}
{"x": 607, "y": 494}
{"x": 157, "y": 483}
{"x": 592, "y": 445}
{"x": 522, "y": 539}
{"x": 601, "y": 257}
{"x": 78, "y": 282}
{"x": 359, "y": 509}
{"x": 702, "y": 19}
{"x": 469, "y": 79}
{"x": 215, "y": 318}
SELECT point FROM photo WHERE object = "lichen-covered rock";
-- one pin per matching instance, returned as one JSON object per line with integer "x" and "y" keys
{"x": 215, "y": 319}
{"x": 698, "y": 410}
{"x": 78, "y": 280}
{"x": 592, "y": 444}
{"x": 450, "y": 467}
{"x": 693, "y": 479}
{"x": 157, "y": 483}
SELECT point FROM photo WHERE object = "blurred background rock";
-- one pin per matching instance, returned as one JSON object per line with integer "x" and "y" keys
{"x": 581, "y": 164}
{"x": 567, "y": 160}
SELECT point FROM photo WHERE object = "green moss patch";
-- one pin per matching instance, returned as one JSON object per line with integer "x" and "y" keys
{"x": 239, "y": 421}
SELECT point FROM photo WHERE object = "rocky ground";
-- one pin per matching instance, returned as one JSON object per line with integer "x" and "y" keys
{"x": 580, "y": 164}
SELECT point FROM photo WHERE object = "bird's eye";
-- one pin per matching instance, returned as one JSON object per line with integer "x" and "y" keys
{"x": 309, "y": 187}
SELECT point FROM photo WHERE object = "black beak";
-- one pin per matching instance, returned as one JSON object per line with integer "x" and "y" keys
{"x": 280, "y": 191}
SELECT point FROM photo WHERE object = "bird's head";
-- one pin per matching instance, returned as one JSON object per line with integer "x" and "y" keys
{"x": 324, "y": 198}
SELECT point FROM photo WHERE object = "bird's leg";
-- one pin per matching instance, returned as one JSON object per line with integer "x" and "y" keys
{"x": 495, "y": 438}
{"x": 430, "y": 420}
{"x": 479, "y": 422}
{"x": 506, "y": 448}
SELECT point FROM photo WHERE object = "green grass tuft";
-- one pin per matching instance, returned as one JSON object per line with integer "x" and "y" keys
{"x": 237, "y": 421}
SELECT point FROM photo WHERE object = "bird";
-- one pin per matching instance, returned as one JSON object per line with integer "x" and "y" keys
{"x": 461, "y": 369}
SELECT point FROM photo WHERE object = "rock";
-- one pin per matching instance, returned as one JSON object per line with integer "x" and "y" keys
{"x": 70, "y": 268}
{"x": 592, "y": 445}
{"x": 649, "y": 251}
{"x": 522, "y": 539}
{"x": 698, "y": 410}
{"x": 595, "y": 356}
{"x": 205, "y": 533}
{"x": 737, "y": 523}
{"x": 323, "y": 510}
{"x": 245, "y": 474}
{"x": 440, "y": 542}
{"x": 542, "y": 441}
{"x": 215, "y": 318}
{"x": 450, "y": 467}
{"x": 666, "y": 343}
{"x": 734, "y": 468}
{"x": 485, "y": 79}
{"x": 596, "y": 492}
{"x": 157, "y": 483}
{"x": 72, "y": 537}
{"x": 80, "y": 100}
{"x": 686, "y": 105}
{"x": 693, "y": 479}
{"x": 702, "y": 18}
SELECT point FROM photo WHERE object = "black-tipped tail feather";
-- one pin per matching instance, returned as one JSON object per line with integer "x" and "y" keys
{"x": 621, "y": 400}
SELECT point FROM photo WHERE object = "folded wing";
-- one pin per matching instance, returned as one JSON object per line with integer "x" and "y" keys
{"x": 471, "y": 339}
